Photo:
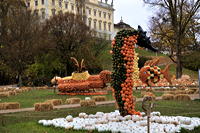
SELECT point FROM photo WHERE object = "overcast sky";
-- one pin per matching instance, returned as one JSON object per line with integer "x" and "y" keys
{"x": 133, "y": 12}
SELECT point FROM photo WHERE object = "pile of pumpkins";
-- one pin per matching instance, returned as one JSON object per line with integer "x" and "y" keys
{"x": 115, "y": 123}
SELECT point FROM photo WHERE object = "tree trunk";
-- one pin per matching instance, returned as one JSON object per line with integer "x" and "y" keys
{"x": 178, "y": 56}
{"x": 20, "y": 80}
{"x": 68, "y": 71}
{"x": 178, "y": 67}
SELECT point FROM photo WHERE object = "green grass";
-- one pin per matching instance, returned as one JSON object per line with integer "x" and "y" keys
{"x": 192, "y": 74}
{"x": 27, "y": 121}
{"x": 27, "y": 99}
{"x": 106, "y": 59}
{"x": 142, "y": 52}
{"x": 175, "y": 108}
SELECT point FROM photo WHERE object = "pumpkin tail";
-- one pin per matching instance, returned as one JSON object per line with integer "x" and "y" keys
{"x": 166, "y": 74}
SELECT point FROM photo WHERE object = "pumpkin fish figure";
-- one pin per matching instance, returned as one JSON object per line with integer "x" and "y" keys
{"x": 151, "y": 74}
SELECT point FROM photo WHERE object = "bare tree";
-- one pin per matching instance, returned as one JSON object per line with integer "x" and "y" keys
{"x": 180, "y": 13}
{"x": 162, "y": 34}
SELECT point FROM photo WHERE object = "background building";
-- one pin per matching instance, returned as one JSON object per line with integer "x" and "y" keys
{"x": 121, "y": 26}
{"x": 98, "y": 15}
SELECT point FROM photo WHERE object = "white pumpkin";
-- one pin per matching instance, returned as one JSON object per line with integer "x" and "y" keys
{"x": 69, "y": 118}
{"x": 128, "y": 117}
{"x": 68, "y": 126}
{"x": 87, "y": 98}
{"x": 82, "y": 115}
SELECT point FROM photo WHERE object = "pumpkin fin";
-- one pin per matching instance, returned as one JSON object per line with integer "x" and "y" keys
{"x": 152, "y": 62}
{"x": 166, "y": 74}
{"x": 155, "y": 62}
{"x": 147, "y": 63}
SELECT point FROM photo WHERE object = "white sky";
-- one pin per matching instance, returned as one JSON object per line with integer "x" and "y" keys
{"x": 133, "y": 12}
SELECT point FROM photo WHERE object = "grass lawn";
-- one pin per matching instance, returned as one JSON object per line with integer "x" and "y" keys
{"x": 142, "y": 52}
{"x": 27, "y": 99}
{"x": 192, "y": 74}
{"x": 27, "y": 121}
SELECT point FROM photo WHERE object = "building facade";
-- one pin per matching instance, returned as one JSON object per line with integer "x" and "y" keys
{"x": 99, "y": 15}
{"x": 121, "y": 26}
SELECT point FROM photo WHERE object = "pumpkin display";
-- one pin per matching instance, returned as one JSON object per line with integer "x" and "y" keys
{"x": 123, "y": 57}
{"x": 81, "y": 82}
{"x": 84, "y": 86}
{"x": 115, "y": 123}
{"x": 151, "y": 74}
{"x": 136, "y": 70}
{"x": 123, "y": 54}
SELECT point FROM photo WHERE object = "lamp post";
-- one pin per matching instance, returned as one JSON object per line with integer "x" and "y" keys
{"x": 147, "y": 106}
{"x": 55, "y": 84}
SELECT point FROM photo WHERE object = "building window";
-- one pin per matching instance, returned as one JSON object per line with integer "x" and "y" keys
{"x": 43, "y": 14}
{"x": 66, "y": 5}
{"x": 72, "y": 7}
{"x": 95, "y": 24}
{"x": 36, "y": 3}
{"x": 99, "y": 13}
{"x": 28, "y": 4}
{"x": 100, "y": 25}
{"x": 104, "y": 14}
{"x": 109, "y": 27}
{"x": 109, "y": 16}
{"x": 42, "y": 1}
{"x": 95, "y": 12}
{"x": 53, "y": 2}
{"x": 104, "y": 26}
{"x": 60, "y": 3}
{"x": 78, "y": 10}
{"x": 53, "y": 11}
{"x": 36, "y": 12}
{"x": 85, "y": 19}
{"x": 89, "y": 10}
{"x": 90, "y": 23}
{"x": 60, "y": 12}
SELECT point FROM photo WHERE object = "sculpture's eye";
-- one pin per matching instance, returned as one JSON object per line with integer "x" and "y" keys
{"x": 144, "y": 72}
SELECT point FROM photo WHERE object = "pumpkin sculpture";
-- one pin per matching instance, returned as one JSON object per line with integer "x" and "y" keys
{"x": 151, "y": 74}
{"x": 84, "y": 86}
{"x": 123, "y": 55}
{"x": 81, "y": 82}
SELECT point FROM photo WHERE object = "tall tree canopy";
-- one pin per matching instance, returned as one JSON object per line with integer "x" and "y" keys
{"x": 19, "y": 35}
{"x": 68, "y": 33}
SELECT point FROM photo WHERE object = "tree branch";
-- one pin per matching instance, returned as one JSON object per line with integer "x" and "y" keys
{"x": 191, "y": 14}
{"x": 171, "y": 57}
